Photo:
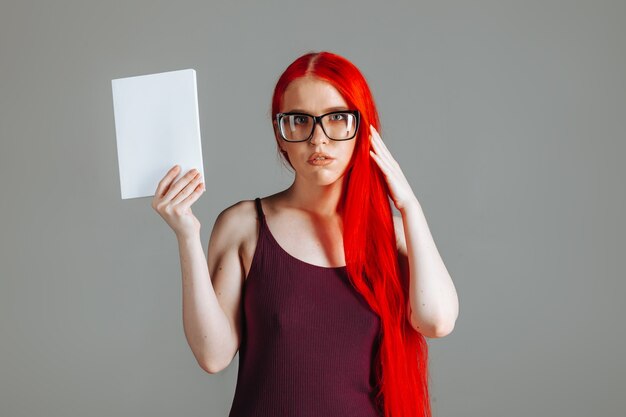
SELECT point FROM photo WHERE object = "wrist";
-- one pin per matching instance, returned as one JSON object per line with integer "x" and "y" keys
{"x": 410, "y": 205}
{"x": 185, "y": 237}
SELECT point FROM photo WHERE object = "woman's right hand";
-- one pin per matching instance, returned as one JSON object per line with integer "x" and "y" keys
{"x": 173, "y": 201}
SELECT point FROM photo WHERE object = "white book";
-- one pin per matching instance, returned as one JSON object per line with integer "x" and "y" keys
{"x": 157, "y": 126}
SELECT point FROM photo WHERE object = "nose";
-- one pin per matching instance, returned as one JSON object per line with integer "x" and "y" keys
{"x": 318, "y": 135}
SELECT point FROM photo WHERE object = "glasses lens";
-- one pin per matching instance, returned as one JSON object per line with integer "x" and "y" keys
{"x": 339, "y": 126}
{"x": 296, "y": 126}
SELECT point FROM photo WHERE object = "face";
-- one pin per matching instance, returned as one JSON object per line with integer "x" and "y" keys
{"x": 315, "y": 97}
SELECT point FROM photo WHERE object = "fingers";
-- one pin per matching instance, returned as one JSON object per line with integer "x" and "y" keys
{"x": 187, "y": 202}
{"x": 189, "y": 188}
{"x": 166, "y": 180}
{"x": 179, "y": 184}
{"x": 185, "y": 190}
{"x": 378, "y": 144}
{"x": 381, "y": 154}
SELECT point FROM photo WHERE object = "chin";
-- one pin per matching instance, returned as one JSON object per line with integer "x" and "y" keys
{"x": 324, "y": 178}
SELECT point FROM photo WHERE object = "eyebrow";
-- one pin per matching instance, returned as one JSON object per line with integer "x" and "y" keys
{"x": 328, "y": 110}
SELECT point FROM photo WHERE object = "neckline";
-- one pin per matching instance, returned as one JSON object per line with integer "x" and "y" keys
{"x": 269, "y": 232}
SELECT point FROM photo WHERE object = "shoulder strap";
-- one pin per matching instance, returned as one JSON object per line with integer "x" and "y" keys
{"x": 259, "y": 209}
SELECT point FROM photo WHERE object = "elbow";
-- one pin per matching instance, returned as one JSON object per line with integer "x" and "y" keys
{"x": 433, "y": 331}
{"x": 443, "y": 330}
{"x": 216, "y": 363}
{"x": 446, "y": 325}
{"x": 210, "y": 367}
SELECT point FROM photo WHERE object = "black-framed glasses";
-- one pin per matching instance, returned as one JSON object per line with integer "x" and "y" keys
{"x": 337, "y": 125}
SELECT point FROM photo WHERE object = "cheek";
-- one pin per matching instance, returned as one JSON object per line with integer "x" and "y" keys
{"x": 348, "y": 151}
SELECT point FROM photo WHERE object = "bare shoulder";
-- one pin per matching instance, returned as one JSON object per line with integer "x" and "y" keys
{"x": 237, "y": 215}
{"x": 236, "y": 228}
{"x": 236, "y": 224}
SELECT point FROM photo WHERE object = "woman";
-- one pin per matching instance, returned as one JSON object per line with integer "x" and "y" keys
{"x": 316, "y": 286}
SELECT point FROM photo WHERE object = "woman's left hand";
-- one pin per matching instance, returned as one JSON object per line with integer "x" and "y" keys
{"x": 401, "y": 192}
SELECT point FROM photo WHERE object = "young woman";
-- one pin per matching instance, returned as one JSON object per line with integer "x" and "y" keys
{"x": 324, "y": 293}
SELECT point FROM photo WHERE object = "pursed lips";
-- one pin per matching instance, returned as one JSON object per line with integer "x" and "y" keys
{"x": 319, "y": 156}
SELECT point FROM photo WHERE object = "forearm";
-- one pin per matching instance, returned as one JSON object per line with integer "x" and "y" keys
{"x": 205, "y": 324}
{"x": 432, "y": 295}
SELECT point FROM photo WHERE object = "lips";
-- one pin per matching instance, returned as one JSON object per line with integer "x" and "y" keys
{"x": 319, "y": 155}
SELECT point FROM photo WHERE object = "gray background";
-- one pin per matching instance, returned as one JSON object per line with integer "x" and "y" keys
{"x": 507, "y": 117}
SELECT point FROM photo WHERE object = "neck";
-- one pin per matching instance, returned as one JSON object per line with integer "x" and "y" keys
{"x": 321, "y": 200}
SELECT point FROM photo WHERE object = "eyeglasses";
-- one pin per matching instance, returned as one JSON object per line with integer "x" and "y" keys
{"x": 337, "y": 125}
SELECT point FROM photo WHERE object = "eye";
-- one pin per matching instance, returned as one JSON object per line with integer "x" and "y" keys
{"x": 301, "y": 119}
{"x": 337, "y": 117}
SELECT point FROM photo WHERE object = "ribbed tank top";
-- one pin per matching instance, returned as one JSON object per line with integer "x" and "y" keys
{"x": 309, "y": 339}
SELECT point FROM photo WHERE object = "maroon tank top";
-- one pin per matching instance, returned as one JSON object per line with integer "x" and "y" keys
{"x": 309, "y": 339}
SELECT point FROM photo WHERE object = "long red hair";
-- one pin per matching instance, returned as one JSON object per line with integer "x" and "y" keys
{"x": 369, "y": 240}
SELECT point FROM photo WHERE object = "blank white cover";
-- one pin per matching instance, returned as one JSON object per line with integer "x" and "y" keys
{"x": 157, "y": 126}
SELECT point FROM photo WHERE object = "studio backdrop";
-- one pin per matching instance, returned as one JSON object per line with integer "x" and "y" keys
{"x": 507, "y": 118}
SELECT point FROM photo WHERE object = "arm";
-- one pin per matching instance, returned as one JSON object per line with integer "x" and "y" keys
{"x": 211, "y": 323}
{"x": 433, "y": 304}
{"x": 433, "y": 301}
